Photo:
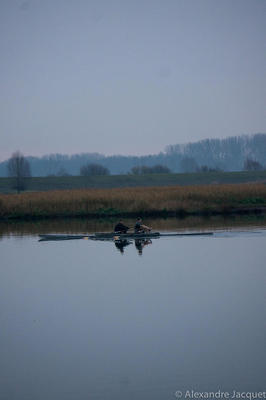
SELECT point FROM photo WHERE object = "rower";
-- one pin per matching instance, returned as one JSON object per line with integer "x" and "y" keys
{"x": 120, "y": 227}
{"x": 140, "y": 228}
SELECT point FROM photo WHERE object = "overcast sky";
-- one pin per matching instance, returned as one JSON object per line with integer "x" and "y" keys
{"x": 129, "y": 77}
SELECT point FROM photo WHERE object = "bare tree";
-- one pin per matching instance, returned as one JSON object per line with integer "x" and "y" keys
{"x": 19, "y": 169}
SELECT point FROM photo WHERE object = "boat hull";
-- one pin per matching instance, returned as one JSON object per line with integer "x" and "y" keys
{"x": 113, "y": 235}
{"x": 117, "y": 236}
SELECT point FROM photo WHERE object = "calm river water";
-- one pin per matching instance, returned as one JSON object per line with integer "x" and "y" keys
{"x": 87, "y": 320}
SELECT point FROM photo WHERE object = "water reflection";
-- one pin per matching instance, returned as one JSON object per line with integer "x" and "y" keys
{"x": 79, "y": 321}
{"x": 121, "y": 244}
{"x": 85, "y": 226}
{"x": 139, "y": 244}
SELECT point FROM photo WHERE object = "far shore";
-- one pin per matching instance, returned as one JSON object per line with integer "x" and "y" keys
{"x": 170, "y": 201}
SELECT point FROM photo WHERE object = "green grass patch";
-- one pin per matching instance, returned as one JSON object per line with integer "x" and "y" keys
{"x": 120, "y": 181}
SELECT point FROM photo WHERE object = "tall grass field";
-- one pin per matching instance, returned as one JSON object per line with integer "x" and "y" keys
{"x": 141, "y": 201}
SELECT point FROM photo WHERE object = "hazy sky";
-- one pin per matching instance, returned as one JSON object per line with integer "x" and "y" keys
{"x": 129, "y": 77}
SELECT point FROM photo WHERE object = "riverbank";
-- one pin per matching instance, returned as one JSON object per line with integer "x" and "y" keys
{"x": 132, "y": 202}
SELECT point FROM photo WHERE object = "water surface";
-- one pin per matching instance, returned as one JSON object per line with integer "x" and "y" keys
{"x": 83, "y": 320}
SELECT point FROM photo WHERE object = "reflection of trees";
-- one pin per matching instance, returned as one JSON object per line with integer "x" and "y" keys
{"x": 83, "y": 225}
{"x": 64, "y": 226}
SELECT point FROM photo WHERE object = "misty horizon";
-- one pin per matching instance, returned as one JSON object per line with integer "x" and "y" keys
{"x": 126, "y": 77}
{"x": 229, "y": 154}
{"x": 103, "y": 155}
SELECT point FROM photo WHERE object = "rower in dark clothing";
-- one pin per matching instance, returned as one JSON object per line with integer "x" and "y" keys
{"x": 140, "y": 228}
{"x": 121, "y": 228}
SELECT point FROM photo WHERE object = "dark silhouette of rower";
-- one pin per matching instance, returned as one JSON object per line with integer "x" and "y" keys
{"x": 141, "y": 243}
{"x": 121, "y": 244}
{"x": 120, "y": 227}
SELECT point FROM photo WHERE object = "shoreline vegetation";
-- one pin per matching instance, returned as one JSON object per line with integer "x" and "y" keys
{"x": 159, "y": 201}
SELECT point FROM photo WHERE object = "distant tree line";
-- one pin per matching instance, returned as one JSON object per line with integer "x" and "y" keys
{"x": 227, "y": 154}
{"x": 230, "y": 154}
{"x": 94, "y": 169}
{"x": 156, "y": 169}
{"x": 252, "y": 165}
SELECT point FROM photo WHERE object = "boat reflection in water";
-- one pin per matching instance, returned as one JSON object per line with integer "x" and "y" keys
{"x": 139, "y": 244}
{"x": 122, "y": 240}
{"x": 121, "y": 244}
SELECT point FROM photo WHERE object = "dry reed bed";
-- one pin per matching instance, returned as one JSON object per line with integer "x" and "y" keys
{"x": 148, "y": 200}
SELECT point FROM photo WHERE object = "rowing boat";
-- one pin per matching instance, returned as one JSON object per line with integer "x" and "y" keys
{"x": 119, "y": 236}
{"x": 110, "y": 235}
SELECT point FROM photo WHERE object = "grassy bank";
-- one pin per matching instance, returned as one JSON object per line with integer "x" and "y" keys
{"x": 149, "y": 201}
{"x": 117, "y": 181}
